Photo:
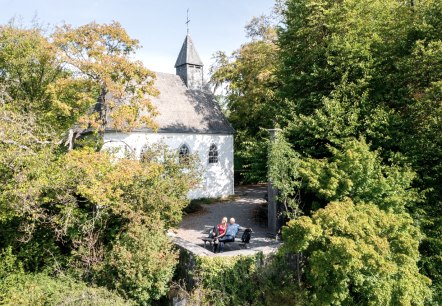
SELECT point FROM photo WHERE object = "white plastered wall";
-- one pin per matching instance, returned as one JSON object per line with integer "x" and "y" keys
{"x": 217, "y": 178}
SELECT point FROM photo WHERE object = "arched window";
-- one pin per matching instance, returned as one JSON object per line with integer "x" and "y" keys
{"x": 213, "y": 154}
{"x": 184, "y": 153}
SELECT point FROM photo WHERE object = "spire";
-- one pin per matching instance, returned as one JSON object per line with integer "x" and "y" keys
{"x": 188, "y": 54}
{"x": 189, "y": 65}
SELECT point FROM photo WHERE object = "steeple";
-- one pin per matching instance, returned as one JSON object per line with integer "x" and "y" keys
{"x": 189, "y": 65}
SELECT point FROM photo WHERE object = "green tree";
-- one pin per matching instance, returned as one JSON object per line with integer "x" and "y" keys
{"x": 41, "y": 289}
{"x": 356, "y": 172}
{"x": 249, "y": 81}
{"x": 141, "y": 263}
{"x": 34, "y": 80}
{"x": 76, "y": 212}
{"x": 345, "y": 75}
{"x": 359, "y": 254}
{"x": 283, "y": 171}
{"x": 366, "y": 69}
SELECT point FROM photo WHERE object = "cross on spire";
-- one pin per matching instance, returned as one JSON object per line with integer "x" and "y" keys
{"x": 187, "y": 21}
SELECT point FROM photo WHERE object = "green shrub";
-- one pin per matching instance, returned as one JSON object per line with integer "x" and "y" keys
{"x": 233, "y": 276}
{"x": 359, "y": 254}
{"x": 141, "y": 264}
{"x": 244, "y": 280}
{"x": 40, "y": 289}
{"x": 8, "y": 263}
{"x": 85, "y": 212}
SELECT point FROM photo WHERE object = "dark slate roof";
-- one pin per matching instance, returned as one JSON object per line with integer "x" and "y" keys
{"x": 188, "y": 54}
{"x": 183, "y": 110}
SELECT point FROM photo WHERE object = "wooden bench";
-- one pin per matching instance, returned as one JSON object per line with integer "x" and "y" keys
{"x": 208, "y": 228}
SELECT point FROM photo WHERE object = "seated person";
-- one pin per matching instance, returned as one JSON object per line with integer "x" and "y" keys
{"x": 230, "y": 234}
{"x": 220, "y": 232}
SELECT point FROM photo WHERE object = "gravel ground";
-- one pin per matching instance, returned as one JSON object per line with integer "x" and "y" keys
{"x": 244, "y": 208}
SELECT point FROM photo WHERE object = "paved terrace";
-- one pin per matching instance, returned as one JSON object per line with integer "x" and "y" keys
{"x": 245, "y": 208}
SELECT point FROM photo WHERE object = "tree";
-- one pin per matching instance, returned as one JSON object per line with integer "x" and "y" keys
{"x": 248, "y": 77}
{"x": 82, "y": 212}
{"x": 365, "y": 69}
{"x": 34, "y": 80}
{"x": 64, "y": 78}
{"x": 356, "y": 172}
{"x": 77, "y": 212}
{"x": 335, "y": 60}
{"x": 141, "y": 264}
{"x": 100, "y": 53}
{"x": 359, "y": 254}
{"x": 284, "y": 173}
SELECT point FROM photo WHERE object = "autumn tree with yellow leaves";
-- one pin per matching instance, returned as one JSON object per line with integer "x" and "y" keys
{"x": 71, "y": 214}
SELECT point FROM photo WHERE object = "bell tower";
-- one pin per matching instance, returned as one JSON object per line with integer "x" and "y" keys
{"x": 189, "y": 65}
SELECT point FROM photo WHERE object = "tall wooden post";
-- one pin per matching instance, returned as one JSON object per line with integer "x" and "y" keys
{"x": 272, "y": 208}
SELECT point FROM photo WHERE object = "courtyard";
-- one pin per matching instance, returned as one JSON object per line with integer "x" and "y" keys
{"x": 247, "y": 207}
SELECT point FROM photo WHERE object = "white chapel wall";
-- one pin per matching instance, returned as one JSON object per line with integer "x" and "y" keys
{"x": 217, "y": 178}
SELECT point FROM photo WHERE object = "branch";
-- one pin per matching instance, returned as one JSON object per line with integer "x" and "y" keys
{"x": 13, "y": 142}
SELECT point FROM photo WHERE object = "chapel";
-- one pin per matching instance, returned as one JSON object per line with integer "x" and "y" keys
{"x": 190, "y": 121}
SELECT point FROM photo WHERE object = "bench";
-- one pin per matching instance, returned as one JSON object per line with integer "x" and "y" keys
{"x": 208, "y": 228}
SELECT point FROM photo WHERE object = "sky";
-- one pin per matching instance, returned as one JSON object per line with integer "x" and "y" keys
{"x": 159, "y": 25}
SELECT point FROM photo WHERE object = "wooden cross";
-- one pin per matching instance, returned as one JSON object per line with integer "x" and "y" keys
{"x": 187, "y": 22}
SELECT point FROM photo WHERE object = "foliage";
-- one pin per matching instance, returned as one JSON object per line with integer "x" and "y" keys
{"x": 251, "y": 156}
{"x": 164, "y": 197}
{"x": 81, "y": 212}
{"x": 9, "y": 263}
{"x": 368, "y": 70}
{"x": 232, "y": 278}
{"x": 424, "y": 151}
{"x": 369, "y": 256}
{"x": 243, "y": 280}
{"x": 352, "y": 170}
{"x": 141, "y": 264}
{"x": 40, "y": 289}
{"x": 34, "y": 80}
{"x": 101, "y": 53}
{"x": 247, "y": 77}
{"x": 356, "y": 172}
{"x": 355, "y": 80}
{"x": 83, "y": 179}
{"x": 283, "y": 172}
{"x": 61, "y": 79}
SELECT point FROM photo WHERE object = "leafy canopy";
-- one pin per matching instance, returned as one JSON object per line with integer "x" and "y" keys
{"x": 359, "y": 254}
{"x": 360, "y": 82}
{"x": 248, "y": 80}
{"x": 101, "y": 53}
{"x": 82, "y": 213}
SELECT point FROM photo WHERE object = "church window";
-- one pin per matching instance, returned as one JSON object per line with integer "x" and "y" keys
{"x": 213, "y": 154}
{"x": 184, "y": 153}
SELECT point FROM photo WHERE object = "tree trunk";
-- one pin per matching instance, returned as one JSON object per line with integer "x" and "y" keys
{"x": 70, "y": 141}
{"x": 101, "y": 107}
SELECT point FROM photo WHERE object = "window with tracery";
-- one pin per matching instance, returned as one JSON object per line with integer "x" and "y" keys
{"x": 213, "y": 154}
{"x": 184, "y": 153}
